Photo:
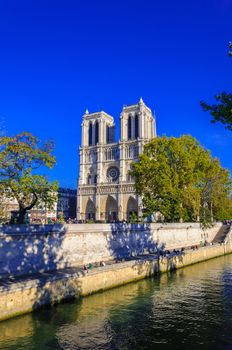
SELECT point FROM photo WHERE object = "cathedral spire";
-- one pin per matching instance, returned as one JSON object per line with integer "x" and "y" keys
{"x": 141, "y": 100}
{"x": 86, "y": 112}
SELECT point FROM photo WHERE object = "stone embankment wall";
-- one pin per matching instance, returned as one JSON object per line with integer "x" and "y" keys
{"x": 25, "y": 295}
{"x": 31, "y": 249}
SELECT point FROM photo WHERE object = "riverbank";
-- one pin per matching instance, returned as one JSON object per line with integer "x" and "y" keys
{"x": 21, "y": 295}
{"x": 31, "y": 249}
{"x": 169, "y": 310}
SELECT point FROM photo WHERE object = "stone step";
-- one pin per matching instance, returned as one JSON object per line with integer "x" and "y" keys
{"x": 221, "y": 235}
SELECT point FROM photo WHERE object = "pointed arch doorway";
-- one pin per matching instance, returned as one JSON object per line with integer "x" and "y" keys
{"x": 90, "y": 213}
{"x": 111, "y": 209}
{"x": 132, "y": 207}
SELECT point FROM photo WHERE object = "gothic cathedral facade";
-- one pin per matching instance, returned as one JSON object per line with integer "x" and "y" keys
{"x": 106, "y": 191}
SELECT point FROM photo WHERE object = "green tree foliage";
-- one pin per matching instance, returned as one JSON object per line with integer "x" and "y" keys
{"x": 221, "y": 111}
{"x": 20, "y": 157}
{"x": 180, "y": 179}
{"x": 133, "y": 218}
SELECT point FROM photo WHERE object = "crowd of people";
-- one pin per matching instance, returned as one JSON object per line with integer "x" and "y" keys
{"x": 75, "y": 221}
{"x": 227, "y": 222}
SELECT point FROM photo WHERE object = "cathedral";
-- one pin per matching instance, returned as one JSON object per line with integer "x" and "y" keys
{"x": 106, "y": 191}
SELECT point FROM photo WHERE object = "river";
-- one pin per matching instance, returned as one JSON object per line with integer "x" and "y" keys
{"x": 187, "y": 309}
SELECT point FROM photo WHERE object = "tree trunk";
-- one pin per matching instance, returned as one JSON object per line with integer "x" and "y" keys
{"x": 21, "y": 217}
{"x": 211, "y": 212}
{"x": 23, "y": 210}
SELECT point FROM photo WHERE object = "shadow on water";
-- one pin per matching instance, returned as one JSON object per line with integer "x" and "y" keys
{"x": 68, "y": 322}
{"x": 190, "y": 307}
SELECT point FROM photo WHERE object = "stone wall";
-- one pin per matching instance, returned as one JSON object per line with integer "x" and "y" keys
{"x": 25, "y": 295}
{"x": 31, "y": 249}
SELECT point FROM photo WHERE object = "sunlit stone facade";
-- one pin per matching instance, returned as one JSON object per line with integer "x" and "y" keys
{"x": 105, "y": 189}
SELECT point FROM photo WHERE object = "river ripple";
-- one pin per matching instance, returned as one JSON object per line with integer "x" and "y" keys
{"x": 188, "y": 309}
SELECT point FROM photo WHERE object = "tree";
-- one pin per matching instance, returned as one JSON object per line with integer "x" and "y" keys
{"x": 20, "y": 157}
{"x": 133, "y": 218}
{"x": 221, "y": 111}
{"x": 179, "y": 178}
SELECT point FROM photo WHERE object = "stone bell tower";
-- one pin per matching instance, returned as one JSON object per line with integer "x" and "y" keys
{"x": 105, "y": 189}
{"x": 98, "y": 129}
{"x": 137, "y": 126}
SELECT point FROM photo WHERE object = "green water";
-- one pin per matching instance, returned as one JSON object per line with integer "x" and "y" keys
{"x": 188, "y": 309}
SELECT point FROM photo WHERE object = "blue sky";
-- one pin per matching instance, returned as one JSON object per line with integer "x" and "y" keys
{"x": 58, "y": 58}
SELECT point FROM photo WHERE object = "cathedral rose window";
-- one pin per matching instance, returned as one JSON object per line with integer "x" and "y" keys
{"x": 113, "y": 173}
